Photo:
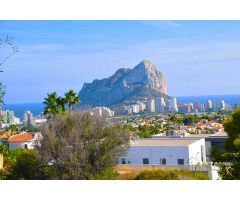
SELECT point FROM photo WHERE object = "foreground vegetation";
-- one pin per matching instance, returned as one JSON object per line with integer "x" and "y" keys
{"x": 21, "y": 164}
{"x": 228, "y": 160}
{"x": 133, "y": 173}
{"x": 75, "y": 145}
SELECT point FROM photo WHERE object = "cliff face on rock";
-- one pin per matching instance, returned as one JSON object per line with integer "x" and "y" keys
{"x": 126, "y": 85}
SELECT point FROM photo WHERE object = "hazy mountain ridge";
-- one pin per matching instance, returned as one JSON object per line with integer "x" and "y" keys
{"x": 126, "y": 85}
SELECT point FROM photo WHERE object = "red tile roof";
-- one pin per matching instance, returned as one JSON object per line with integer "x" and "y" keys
{"x": 188, "y": 127}
{"x": 21, "y": 138}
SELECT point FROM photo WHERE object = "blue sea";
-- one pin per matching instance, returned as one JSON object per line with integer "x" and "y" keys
{"x": 229, "y": 99}
{"x": 19, "y": 109}
{"x": 37, "y": 108}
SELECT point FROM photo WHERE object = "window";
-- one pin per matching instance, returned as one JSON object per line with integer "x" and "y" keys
{"x": 163, "y": 161}
{"x": 145, "y": 161}
{"x": 180, "y": 161}
{"x": 202, "y": 152}
{"x": 123, "y": 161}
{"x": 25, "y": 146}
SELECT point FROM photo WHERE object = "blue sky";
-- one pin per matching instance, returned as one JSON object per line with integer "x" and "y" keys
{"x": 197, "y": 57}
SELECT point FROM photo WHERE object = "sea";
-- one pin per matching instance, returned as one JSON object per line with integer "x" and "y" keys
{"x": 19, "y": 109}
{"x": 37, "y": 108}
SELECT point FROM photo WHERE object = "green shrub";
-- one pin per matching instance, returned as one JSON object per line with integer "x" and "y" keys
{"x": 26, "y": 167}
{"x": 157, "y": 175}
{"x": 107, "y": 174}
{"x": 3, "y": 174}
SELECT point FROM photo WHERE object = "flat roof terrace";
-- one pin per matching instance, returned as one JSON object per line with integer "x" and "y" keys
{"x": 164, "y": 142}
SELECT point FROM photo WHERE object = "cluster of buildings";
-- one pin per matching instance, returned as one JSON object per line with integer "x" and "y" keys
{"x": 168, "y": 151}
{"x": 210, "y": 127}
{"x": 101, "y": 111}
{"x": 152, "y": 105}
{"x": 209, "y": 106}
{"x": 131, "y": 109}
{"x": 29, "y": 119}
{"x": 159, "y": 105}
{"x": 8, "y": 118}
{"x": 176, "y": 149}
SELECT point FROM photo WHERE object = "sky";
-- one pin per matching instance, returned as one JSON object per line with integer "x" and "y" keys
{"x": 197, "y": 57}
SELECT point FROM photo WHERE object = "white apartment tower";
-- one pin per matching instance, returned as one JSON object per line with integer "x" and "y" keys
{"x": 219, "y": 105}
{"x": 151, "y": 106}
{"x": 28, "y": 118}
{"x": 142, "y": 106}
{"x": 209, "y": 105}
{"x": 160, "y": 105}
{"x": 173, "y": 107}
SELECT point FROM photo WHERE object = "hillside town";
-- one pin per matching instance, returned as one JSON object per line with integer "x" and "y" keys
{"x": 171, "y": 132}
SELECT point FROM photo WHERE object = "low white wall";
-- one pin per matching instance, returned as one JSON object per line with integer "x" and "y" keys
{"x": 13, "y": 145}
{"x": 197, "y": 152}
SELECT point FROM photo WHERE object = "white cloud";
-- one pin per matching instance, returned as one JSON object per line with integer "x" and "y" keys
{"x": 163, "y": 24}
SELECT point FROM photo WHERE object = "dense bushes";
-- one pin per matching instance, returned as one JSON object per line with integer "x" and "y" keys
{"x": 146, "y": 131}
{"x": 107, "y": 174}
{"x": 228, "y": 160}
{"x": 74, "y": 146}
{"x": 21, "y": 164}
{"x": 26, "y": 167}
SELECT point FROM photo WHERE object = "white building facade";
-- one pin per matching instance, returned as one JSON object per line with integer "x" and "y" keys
{"x": 28, "y": 118}
{"x": 22, "y": 145}
{"x": 24, "y": 140}
{"x": 102, "y": 111}
{"x": 150, "y": 106}
{"x": 160, "y": 105}
{"x": 177, "y": 151}
{"x": 173, "y": 107}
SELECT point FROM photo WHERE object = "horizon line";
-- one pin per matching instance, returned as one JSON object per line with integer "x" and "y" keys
{"x": 168, "y": 95}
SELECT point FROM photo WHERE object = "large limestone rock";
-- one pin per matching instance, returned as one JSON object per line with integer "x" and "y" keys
{"x": 125, "y": 86}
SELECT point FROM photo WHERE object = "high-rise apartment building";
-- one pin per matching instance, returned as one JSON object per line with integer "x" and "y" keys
{"x": 160, "y": 105}
{"x": 173, "y": 107}
{"x": 151, "y": 105}
{"x": 28, "y": 118}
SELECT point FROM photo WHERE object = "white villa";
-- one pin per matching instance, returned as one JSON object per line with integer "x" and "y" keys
{"x": 24, "y": 140}
{"x": 165, "y": 151}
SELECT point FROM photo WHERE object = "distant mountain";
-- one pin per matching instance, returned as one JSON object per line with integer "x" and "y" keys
{"x": 125, "y": 86}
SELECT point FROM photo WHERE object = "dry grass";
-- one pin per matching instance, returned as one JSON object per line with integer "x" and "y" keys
{"x": 131, "y": 173}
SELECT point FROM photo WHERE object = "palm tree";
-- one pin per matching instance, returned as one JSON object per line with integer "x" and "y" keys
{"x": 60, "y": 105}
{"x": 71, "y": 99}
{"x": 53, "y": 104}
{"x": 14, "y": 129}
